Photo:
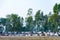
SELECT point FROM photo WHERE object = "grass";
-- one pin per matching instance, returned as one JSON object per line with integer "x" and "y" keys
{"x": 28, "y": 38}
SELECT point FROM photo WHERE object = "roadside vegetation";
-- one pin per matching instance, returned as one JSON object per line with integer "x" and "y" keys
{"x": 40, "y": 22}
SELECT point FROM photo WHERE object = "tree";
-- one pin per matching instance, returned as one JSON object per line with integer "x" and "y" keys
{"x": 55, "y": 17}
{"x": 29, "y": 20}
{"x": 3, "y": 21}
{"x": 38, "y": 20}
{"x": 13, "y": 23}
{"x": 45, "y": 23}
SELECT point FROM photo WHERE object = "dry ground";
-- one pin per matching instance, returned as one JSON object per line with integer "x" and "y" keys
{"x": 28, "y": 38}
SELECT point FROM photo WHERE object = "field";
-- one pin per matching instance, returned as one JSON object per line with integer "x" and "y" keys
{"x": 28, "y": 38}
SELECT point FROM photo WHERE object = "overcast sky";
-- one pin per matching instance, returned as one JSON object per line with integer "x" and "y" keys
{"x": 20, "y": 7}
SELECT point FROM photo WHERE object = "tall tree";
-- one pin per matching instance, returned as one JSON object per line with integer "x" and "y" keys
{"x": 55, "y": 17}
{"x": 45, "y": 23}
{"x": 38, "y": 20}
{"x": 29, "y": 20}
{"x": 13, "y": 23}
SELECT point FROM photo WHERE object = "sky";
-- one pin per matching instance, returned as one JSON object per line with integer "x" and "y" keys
{"x": 20, "y": 7}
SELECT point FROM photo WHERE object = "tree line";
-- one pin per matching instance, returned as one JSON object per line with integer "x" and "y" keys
{"x": 40, "y": 22}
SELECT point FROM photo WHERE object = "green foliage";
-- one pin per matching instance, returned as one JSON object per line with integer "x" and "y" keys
{"x": 13, "y": 22}
{"x": 39, "y": 20}
{"x": 45, "y": 23}
{"x": 54, "y": 18}
{"x": 29, "y": 22}
{"x": 55, "y": 8}
{"x": 30, "y": 11}
{"x": 37, "y": 16}
{"x": 3, "y": 21}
